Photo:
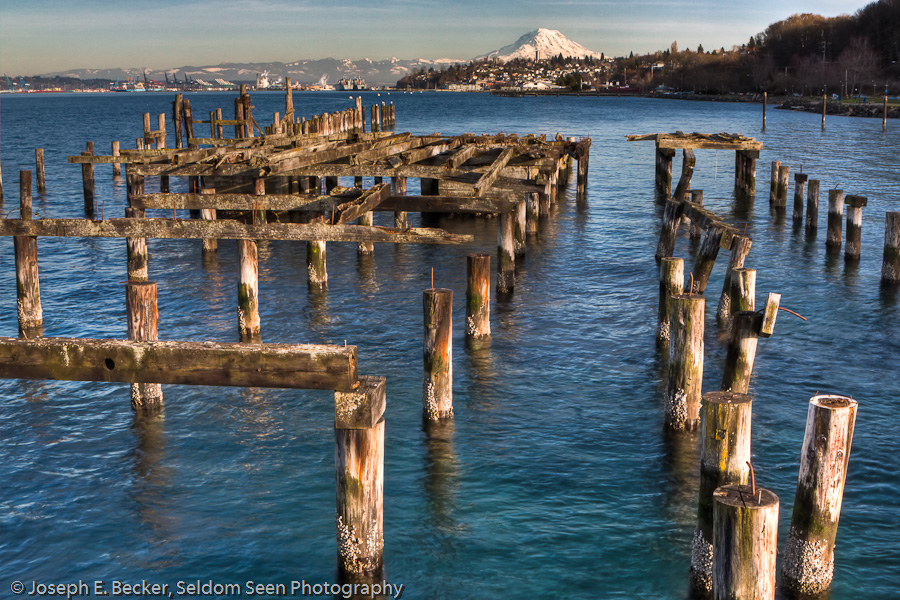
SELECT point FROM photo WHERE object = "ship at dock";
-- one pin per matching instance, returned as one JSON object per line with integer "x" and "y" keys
{"x": 355, "y": 84}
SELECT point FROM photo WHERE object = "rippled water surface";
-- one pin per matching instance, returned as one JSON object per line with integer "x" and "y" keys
{"x": 555, "y": 478}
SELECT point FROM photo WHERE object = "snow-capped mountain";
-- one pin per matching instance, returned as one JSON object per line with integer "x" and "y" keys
{"x": 541, "y": 43}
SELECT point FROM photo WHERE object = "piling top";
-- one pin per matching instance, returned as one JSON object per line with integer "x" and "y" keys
{"x": 800, "y": 177}
{"x": 832, "y": 401}
{"x": 726, "y": 398}
{"x": 742, "y": 496}
{"x": 856, "y": 201}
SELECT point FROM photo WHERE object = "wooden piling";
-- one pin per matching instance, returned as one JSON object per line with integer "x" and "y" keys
{"x": 745, "y": 173}
{"x": 543, "y": 204}
{"x": 288, "y": 100}
{"x": 773, "y": 181}
{"x": 117, "y": 167}
{"x": 685, "y": 378}
{"x": 812, "y": 206}
{"x": 316, "y": 264}
{"x": 401, "y": 219}
{"x": 365, "y": 247}
{"x": 584, "y": 158}
{"x": 799, "y": 197}
{"x": 359, "y": 478}
{"x": 745, "y": 537}
{"x": 740, "y": 248}
{"x": 248, "y": 291}
{"x": 39, "y": 166}
{"x": 835, "y": 218}
{"x": 669, "y": 231}
{"x": 765, "y": 101}
{"x": 136, "y": 249}
{"x": 188, "y": 115}
{"x": 259, "y": 217}
{"x": 855, "y": 205}
{"x": 437, "y": 387}
{"x": 824, "y": 108}
{"x": 782, "y": 190}
{"x": 884, "y": 118}
{"x": 724, "y": 454}
{"x": 87, "y": 184}
{"x": 143, "y": 325}
{"x": 695, "y": 230}
{"x": 890, "y": 265}
{"x": 808, "y": 564}
{"x": 506, "y": 254}
{"x": 532, "y": 213}
{"x": 741, "y": 352}
{"x": 520, "y": 228}
{"x": 478, "y": 296}
{"x": 671, "y": 283}
{"x": 208, "y": 214}
{"x": 706, "y": 257}
{"x": 177, "y": 119}
{"x": 664, "y": 158}
{"x": 28, "y": 292}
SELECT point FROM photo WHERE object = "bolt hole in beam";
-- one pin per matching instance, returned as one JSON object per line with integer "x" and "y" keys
{"x": 110, "y": 364}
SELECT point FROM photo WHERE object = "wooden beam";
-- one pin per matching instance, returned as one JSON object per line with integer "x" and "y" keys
{"x": 493, "y": 172}
{"x": 414, "y": 156}
{"x": 354, "y": 209}
{"x": 445, "y": 204}
{"x": 193, "y": 363}
{"x": 458, "y": 158}
{"x": 237, "y": 201}
{"x": 226, "y": 229}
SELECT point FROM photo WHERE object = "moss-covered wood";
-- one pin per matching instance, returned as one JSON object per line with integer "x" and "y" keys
{"x": 437, "y": 387}
{"x": 478, "y": 296}
{"x": 745, "y": 536}
{"x": 307, "y": 366}
{"x": 359, "y": 478}
{"x": 685, "y": 378}
{"x": 808, "y": 564}
{"x": 724, "y": 454}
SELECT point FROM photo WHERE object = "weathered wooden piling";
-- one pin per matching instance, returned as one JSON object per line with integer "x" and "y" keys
{"x": 782, "y": 189}
{"x": 39, "y": 169}
{"x": 765, "y": 101}
{"x": 532, "y": 213}
{"x": 664, "y": 158}
{"x": 745, "y": 173}
{"x": 28, "y": 292}
{"x": 824, "y": 108}
{"x": 437, "y": 387}
{"x": 706, "y": 257}
{"x": 740, "y": 248}
{"x": 543, "y": 205}
{"x": 117, "y": 167}
{"x": 87, "y": 184}
{"x": 835, "y": 218}
{"x": 143, "y": 326}
{"x": 685, "y": 379}
{"x": 177, "y": 119}
{"x": 724, "y": 458}
{"x": 401, "y": 219}
{"x": 478, "y": 296}
{"x": 741, "y": 352}
{"x": 696, "y": 198}
{"x": 745, "y": 538}
{"x": 671, "y": 283}
{"x": 584, "y": 157}
{"x": 208, "y": 214}
{"x": 808, "y": 564}
{"x": 359, "y": 477}
{"x": 248, "y": 291}
{"x": 519, "y": 234}
{"x": 316, "y": 263}
{"x": 855, "y": 205}
{"x": 812, "y": 206}
{"x": 365, "y": 247}
{"x": 136, "y": 249}
{"x": 668, "y": 233}
{"x": 506, "y": 253}
{"x": 799, "y": 197}
{"x": 773, "y": 181}
{"x": 890, "y": 265}
{"x": 884, "y": 118}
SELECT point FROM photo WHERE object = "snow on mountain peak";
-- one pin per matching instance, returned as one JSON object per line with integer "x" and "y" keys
{"x": 541, "y": 43}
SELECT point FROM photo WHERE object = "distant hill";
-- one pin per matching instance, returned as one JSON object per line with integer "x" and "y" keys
{"x": 542, "y": 43}
{"x": 383, "y": 72}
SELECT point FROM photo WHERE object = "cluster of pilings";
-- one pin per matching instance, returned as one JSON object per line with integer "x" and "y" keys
{"x": 807, "y": 191}
{"x": 280, "y": 182}
{"x": 734, "y": 548}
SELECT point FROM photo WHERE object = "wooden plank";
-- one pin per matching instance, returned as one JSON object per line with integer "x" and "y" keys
{"x": 237, "y": 201}
{"x": 458, "y": 158}
{"x": 226, "y": 229}
{"x": 193, "y": 363}
{"x": 444, "y": 204}
{"x": 708, "y": 145}
{"x": 414, "y": 156}
{"x": 376, "y": 154}
{"x": 493, "y": 172}
{"x": 354, "y": 209}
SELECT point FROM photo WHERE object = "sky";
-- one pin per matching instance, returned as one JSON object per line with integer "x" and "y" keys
{"x": 48, "y": 36}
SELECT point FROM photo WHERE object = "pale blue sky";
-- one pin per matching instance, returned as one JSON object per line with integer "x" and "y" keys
{"x": 41, "y": 36}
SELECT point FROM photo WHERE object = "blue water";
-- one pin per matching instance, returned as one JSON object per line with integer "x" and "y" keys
{"x": 556, "y": 480}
